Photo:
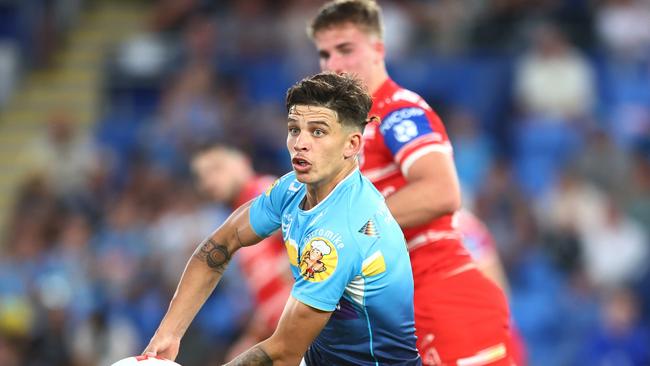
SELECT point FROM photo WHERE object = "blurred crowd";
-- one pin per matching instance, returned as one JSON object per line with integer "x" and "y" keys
{"x": 547, "y": 103}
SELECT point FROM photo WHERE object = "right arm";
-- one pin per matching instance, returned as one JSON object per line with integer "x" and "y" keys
{"x": 202, "y": 273}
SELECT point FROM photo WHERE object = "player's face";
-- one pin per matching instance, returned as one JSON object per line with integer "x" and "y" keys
{"x": 215, "y": 172}
{"x": 319, "y": 145}
{"x": 347, "y": 49}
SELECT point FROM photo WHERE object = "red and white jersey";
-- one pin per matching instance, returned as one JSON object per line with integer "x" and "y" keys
{"x": 409, "y": 129}
{"x": 265, "y": 265}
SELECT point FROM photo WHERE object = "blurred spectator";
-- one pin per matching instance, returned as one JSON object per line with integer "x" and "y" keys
{"x": 9, "y": 70}
{"x": 615, "y": 248}
{"x": 619, "y": 339}
{"x": 637, "y": 198}
{"x": 500, "y": 202}
{"x": 566, "y": 213}
{"x": 396, "y": 16}
{"x": 448, "y": 23}
{"x": 623, "y": 27}
{"x": 553, "y": 79}
{"x": 189, "y": 116}
{"x": 9, "y": 352}
{"x": 171, "y": 14}
{"x": 102, "y": 339}
{"x": 63, "y": 155}
{"x": 604, "y": 164}
{"x": 178, "y": 229}
{"x": 473, "y": 151}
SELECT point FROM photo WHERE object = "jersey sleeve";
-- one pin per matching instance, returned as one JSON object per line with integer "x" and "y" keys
{"x": 321, "y": 284}
{"x": 266, "y": 210}
{"x": 412, "y": 132}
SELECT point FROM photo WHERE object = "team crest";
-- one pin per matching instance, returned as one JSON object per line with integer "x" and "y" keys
{"x": 318, "y": 260}
{"x": 369, "y": 229}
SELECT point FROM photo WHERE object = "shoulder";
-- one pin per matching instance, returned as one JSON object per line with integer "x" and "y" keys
{"x": 398, "y": 97}
{"x": 284, "y": 189}
{"x": 286, "y": 183}
{"x": 364, "y": 203}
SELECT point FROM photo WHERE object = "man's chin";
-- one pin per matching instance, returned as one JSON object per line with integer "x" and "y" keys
{"x": 303, "y": 178}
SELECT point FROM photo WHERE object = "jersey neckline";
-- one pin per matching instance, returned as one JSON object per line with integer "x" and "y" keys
{"x": 340, "y": 185}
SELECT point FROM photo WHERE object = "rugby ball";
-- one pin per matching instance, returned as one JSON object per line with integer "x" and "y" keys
{"x": 145, "y": 361}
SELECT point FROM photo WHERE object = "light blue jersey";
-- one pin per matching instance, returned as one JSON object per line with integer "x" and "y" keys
{"x": 347, "y": 256}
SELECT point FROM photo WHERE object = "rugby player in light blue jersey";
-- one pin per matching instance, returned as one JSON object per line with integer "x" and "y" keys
{"x": 351, "y": 303}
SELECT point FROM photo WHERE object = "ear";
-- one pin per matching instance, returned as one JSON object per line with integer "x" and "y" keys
{"x": 352, "y": 145}
{"x": 380, "y": 48}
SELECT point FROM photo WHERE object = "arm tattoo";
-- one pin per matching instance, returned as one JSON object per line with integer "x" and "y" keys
{"x": 215, "y": 255}
{"x": 253, "y": 357}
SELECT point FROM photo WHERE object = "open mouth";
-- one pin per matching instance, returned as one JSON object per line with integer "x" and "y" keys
{"x": 300, "y": 164}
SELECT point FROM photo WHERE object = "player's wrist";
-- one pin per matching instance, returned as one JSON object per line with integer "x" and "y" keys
{"x": 168, "y": 331}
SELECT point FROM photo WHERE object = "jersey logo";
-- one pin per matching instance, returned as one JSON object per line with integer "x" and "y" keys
{"x": 268, "y": 190}
{"x": 405, "y": 130}
{"x": 369, "y": 229}
{"x": 294, "y": 187}
{"x": 287, "y": 219}
{"x": 319, "y": 260}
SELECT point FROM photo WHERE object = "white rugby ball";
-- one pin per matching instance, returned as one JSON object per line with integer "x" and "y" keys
{"x": 145, "y": 361}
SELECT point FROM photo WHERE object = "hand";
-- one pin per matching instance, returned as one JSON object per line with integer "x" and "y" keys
{"x": 163, "y": 345}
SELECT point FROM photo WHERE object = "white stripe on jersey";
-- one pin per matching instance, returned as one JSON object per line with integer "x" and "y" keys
{"x": 414, "y": 156}
{"x": 356, "y": 289}
{"x": 430, "y": 138}
{"x": 431, "y": 236}
{"x": 381, "y": 173}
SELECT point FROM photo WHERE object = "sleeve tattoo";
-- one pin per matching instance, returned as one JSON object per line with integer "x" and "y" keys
{"x": 253, "y": 357}
{"x": 215, "y": 255}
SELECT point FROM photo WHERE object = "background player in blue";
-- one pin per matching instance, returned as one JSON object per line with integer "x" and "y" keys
{"x": 352, "y": 299}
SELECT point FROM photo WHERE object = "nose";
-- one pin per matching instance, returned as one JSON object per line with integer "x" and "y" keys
{"x": 334, "y": 64}
{"x": 300, "y": 143}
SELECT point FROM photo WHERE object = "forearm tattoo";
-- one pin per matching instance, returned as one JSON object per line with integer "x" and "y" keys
{"x": 215, "y": 255}
{"x": 253, "y": 357}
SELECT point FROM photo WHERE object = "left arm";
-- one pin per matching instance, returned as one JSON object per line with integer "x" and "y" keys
{"x": 432, "y": 190}
{"x": 298, "y": 327}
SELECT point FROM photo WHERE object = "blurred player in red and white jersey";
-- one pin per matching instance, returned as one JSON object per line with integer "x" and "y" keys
{"x": 227, "y": 175}
{"x": 479, "y": 242}
{"x": 461, "y": 317}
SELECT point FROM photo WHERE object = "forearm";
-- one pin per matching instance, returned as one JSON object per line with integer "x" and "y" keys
{"x": 255, "y": 356}
{"x": 417, "y": 203}
{"x": 298, "y": 327}
{"x": 202, "y": 273}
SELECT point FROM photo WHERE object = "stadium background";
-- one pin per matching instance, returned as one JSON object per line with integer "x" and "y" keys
{"x": 547, "y": 103}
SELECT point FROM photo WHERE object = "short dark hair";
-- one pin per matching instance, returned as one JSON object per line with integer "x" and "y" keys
{"x": 343, "y": 94}
{"x": 365, "y": 14}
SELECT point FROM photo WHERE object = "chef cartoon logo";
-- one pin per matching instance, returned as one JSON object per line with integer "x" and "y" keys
{"x": 318, "y": 261}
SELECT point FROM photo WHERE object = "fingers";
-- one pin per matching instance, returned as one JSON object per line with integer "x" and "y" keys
{"x": 162, "y": 347}
{"x": 152, "y": 349}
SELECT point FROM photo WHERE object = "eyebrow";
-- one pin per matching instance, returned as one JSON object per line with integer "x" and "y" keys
{"x": 322, "y": 123}
{"x": 343, "y": 45}
{"x": 316, "y": 122}
{"x": 324, "y": 53}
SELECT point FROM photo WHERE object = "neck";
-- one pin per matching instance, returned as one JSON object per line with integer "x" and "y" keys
{"x": 317, "y": 192}
{"x": 378, "y": 80}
